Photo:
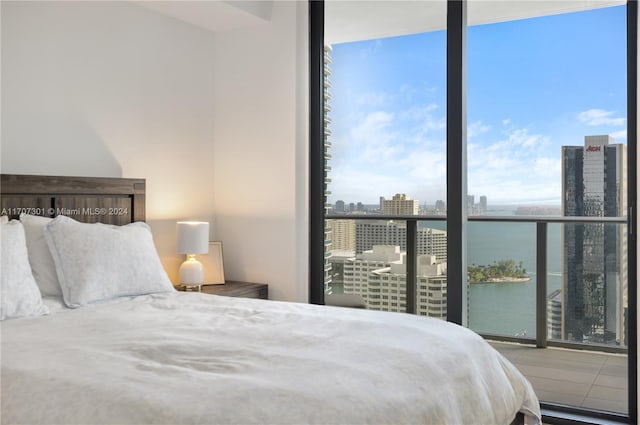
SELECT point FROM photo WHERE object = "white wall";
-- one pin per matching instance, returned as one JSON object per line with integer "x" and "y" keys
{"x": 260, "y": 182}
{"x": 111, "y": 89}
{"x": 215, "y": 123}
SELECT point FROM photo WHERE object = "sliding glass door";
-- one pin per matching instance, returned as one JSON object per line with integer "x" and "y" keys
{"x": 544, "y": 109}
{"x": 547, "y": 137}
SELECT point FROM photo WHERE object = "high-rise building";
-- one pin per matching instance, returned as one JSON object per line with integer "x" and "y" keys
{"x": 339, "y": 207}
{"x": 327, "y": 157}
{"x": 470, "y": 202}
{"x": 379, "y": 277}
{"x": 595, "y": 254}
{"x": 358, "y": 268}
{"x": 483, "y": 203}
{"x": 382, "y": 232}
{"x": 343, "y": 234}
{"x": 554, "y": 315}
{"x": 337, "y": 260}
{"x": 400, "y": 204}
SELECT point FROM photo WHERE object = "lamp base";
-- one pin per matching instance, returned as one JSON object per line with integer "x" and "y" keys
{"x": 191, "y": 272}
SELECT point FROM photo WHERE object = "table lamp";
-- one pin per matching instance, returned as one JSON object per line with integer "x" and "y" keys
{"x": 193, "y": 238}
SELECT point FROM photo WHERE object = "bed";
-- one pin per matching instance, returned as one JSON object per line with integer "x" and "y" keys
{"x": 118, "y": 345}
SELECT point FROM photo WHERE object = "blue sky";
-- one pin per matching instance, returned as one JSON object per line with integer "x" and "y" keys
{"x": 533, "y": 86}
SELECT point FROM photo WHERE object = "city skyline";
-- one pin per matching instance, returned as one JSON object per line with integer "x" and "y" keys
{"x": 436, "y": 202}
{"x": 402, "y": 204}
{"x": 527, "y": 97}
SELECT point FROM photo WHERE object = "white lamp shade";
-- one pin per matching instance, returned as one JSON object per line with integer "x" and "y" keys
{"x": 193, "y": 237}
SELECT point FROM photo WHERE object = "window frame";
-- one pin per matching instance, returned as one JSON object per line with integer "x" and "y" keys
{"x": 456, "y": 187}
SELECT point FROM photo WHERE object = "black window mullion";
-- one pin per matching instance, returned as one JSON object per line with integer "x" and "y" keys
{"x": 457, "y": 311}
{"x": 316, "y": 152}
{"x": 632, "y": 194}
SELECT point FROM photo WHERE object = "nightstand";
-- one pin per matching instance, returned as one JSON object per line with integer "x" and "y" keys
{"x": 239, "y": 289}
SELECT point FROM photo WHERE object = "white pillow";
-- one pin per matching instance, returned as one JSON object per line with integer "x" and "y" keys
{"x": 97, "y": 262}
{"x": 20, "y": 296}
{"x": 42, "y": 266}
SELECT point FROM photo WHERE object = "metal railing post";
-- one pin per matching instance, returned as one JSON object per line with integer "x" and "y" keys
{"x": 412, "y": 270}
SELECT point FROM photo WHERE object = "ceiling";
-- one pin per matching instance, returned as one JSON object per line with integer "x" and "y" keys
{"x": 214, "y": 15}
{"x": 352, "y": 20}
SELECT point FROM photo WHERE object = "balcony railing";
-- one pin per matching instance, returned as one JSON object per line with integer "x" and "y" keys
{"x": 541, "y": 339}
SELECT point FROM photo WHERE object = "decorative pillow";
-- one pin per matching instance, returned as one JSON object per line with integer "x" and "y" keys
{"x": 97, "y": 262}
{"x": 42, "y": 266}
{"x": 20, "y": 295}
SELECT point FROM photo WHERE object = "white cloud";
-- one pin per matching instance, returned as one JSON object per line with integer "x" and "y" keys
{"x": 425, "y": 127}
{"x": 426, "y": 165}
{"x": 365, "y": 184}
{"x": 373, "y": 99}
{"x": 405, "y": 152}
{"x": 598, "y": 117}
{"x": 477, "y": 128}
{"x": 516, "y": 168}
{"x": 619, "y": 136}
{"x": 417, "y": 113}
{"x": 373, "y": 125}
{"x": 522, "y": 138}
{"x": 547, "y": 167}
{"x": 373, "y": 140}
{"x": 388, "y": 153}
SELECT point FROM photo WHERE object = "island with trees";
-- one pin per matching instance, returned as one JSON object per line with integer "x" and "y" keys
{"x": 498, "y": 271}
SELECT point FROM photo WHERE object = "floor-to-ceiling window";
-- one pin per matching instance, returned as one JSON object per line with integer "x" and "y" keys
{"x": 547, "y": 105}
{"x": 547, "y": 180}
{"x": 385, "y": 139}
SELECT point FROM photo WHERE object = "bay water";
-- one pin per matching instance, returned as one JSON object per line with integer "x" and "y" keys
{"x": 508, "y": 308}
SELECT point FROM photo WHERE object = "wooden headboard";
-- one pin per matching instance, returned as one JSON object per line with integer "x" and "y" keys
{"x": 87, "y": 199}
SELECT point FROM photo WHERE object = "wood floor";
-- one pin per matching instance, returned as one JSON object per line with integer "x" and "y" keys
{"x": 574, "y": 377}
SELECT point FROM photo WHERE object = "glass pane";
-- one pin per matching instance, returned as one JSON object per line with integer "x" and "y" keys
{"x": 501, "y": 261}
{"x": 386, "y": 99}
{"x": 385, "y": 103}
{"x": 368, "y": 261}
{"x": 547, "y": 137}
{"x": 594, "y": 304}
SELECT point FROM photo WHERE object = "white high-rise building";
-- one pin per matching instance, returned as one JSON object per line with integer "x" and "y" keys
{"x": 379, "y": 277}
{"x": 326, "y": 157}
{"x": 400, "y": 204}
{"x": 343, "y": 234}
{"x": 382, "y": 232}
{"x": 337, "y": 261}
{"x": 358, "y": 269}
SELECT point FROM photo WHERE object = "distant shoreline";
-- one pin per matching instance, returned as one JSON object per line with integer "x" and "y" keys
{"x": 506, "y": 279}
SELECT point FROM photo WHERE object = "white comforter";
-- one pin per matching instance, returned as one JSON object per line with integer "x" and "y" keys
{"x": 186, "y": 358}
